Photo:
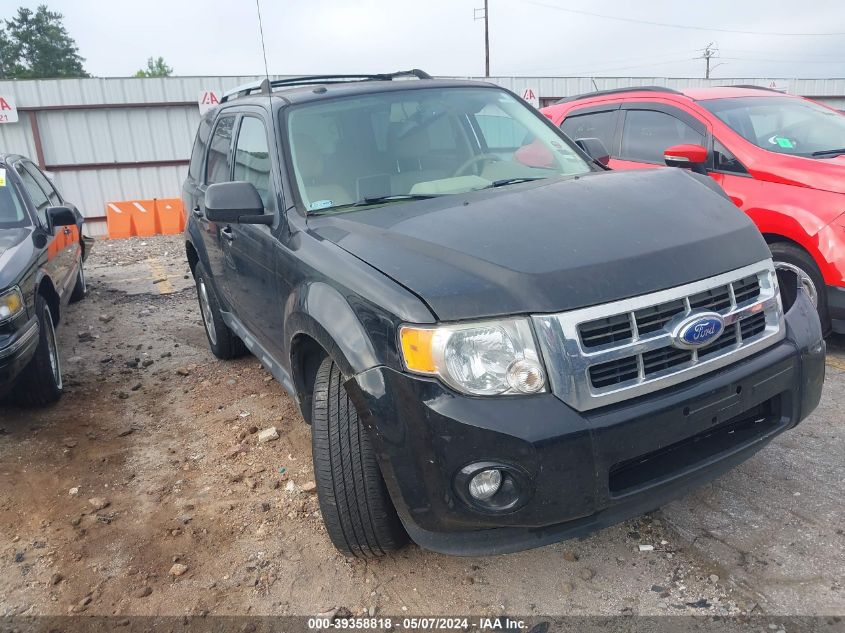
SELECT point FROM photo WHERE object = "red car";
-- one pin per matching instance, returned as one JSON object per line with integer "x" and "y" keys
{"x": 780, "y": 158}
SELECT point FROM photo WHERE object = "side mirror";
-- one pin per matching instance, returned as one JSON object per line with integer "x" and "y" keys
{"x": 691, "y": 156}
{"x": 60, "y": 216}
{"x": 235, "y": 203}
{"x": 595, "y": 149}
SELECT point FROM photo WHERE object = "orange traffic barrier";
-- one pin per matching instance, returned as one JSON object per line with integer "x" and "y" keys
{"x": 144, "y": 218}
{"x": 171, "y": 215}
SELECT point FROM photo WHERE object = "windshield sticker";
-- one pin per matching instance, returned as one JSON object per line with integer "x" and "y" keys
{"x": 782, "y": 142}
{"x": 320, "y": 204}
{"x": 2, "y": 177}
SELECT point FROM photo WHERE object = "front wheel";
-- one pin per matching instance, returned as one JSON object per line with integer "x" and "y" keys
{"x": 359, "y": 515}
{"x": 795, "y": 268}
{"x": 41, "y": 381}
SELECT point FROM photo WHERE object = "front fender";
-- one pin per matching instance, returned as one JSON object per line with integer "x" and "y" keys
{"x": 318, "y": 310}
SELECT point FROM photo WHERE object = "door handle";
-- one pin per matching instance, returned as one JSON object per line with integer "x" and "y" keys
{"x": 67, "y": 230}
{"x": 227, "y": 234}
{"x": 196, "y": 211}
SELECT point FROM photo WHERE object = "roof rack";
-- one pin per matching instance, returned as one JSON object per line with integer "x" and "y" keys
{"x": 612, "y": 91}
{"x": 753, "y": 87}
{"x": 265, "y": 86}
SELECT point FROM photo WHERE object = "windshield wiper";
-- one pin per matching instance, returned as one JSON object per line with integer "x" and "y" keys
{"x": 504, "y": 182}
{"x": 365, "y": 202}
{"x": 829, "y": 152}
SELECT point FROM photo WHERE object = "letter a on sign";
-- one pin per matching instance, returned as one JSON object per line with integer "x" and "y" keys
{"x": 8, "y": 110}
{"x": 207, "y": 100}
{"x": 530, "y": 95}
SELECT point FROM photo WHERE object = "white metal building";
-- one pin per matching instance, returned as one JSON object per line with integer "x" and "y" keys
{"x": 126, "y": 138}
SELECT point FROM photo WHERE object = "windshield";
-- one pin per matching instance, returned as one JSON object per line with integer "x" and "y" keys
{"x": 12, "y": 213}
{"x": 785, "y": 125}
{"x": 406, "y": 144}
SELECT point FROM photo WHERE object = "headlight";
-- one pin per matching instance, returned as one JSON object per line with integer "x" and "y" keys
{"x": 11, "y": 302}
{"x": 483, "y": 359}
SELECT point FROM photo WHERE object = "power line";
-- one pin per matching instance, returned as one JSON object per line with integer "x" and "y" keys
{"x": 671, "y": 26}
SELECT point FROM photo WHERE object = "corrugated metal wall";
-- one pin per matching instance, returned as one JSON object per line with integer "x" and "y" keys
{"x": 151, "y": 140}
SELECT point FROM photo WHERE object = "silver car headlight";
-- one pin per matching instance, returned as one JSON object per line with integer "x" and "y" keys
{"x": 487, "y": 358}
{"x": 11, "y": 303}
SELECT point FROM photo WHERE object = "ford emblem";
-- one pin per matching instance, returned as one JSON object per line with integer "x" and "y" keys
{"x": 698, "y": 330}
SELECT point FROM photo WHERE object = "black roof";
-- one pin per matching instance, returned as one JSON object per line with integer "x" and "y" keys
{"x": 317, "y": 87}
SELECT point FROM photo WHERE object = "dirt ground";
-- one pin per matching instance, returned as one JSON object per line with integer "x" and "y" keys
{"x": 151, "y": 460}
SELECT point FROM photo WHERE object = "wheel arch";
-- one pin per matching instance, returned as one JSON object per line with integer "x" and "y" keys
{"x": 46, "y": 289}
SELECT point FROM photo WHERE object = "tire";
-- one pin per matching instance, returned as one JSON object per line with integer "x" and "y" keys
{"x": 793, "y": 263}
{"x": 81, "y": 287}
{"x": 223, "y": 342}
{"x": 41, "y": 382}
{"x": 360, "y": 517}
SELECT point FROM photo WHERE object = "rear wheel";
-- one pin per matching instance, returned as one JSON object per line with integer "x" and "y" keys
{"x": 80, "y": 288}
{"x": 359, "y": 515}
{"x": 41, "y": 381}
{"x": 795, "y": 268}
{"x": 223, "y": 342}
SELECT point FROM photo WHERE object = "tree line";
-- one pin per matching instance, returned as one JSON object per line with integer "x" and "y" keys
{"x": 36, "y": 45}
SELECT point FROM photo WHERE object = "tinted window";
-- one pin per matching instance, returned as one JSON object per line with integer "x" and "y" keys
{"x": 43, "y": 182}
{"x": 600, "y": 125}
{"x": 39, "y": 198}
{"x": 252, "y": 157}
{"x": 198, "y": 153}
{"x": 723, "y": 160}
{"x": 219, "y": 159}
{"x": 647, "y": 133}
{"x": 12, "y": 212}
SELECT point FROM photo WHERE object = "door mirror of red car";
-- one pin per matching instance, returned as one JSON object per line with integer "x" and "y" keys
{"x": 690, "y": 156}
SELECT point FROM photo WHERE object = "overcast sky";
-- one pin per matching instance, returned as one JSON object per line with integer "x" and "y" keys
{"x": 527, "y": 37}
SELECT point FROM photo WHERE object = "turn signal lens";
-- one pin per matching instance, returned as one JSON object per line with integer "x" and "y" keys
{"x": 11, "y": 303}
{"x": 416, "y": 349}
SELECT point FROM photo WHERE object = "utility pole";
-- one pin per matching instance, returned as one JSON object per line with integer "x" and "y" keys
{"x": 710, "y": 51}
{"x": 479, "y": 14}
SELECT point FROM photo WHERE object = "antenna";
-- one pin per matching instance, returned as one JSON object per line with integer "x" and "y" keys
{"x": 267, "y": 88}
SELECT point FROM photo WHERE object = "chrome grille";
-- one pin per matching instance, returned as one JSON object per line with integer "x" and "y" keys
{"x": 609, "y": 353}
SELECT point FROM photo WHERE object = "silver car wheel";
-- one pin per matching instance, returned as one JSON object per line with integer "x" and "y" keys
{"x": 207, "y": 316}
{"x": 53, "y": 348}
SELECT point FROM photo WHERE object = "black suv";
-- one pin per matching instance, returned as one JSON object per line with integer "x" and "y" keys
{"x": 41, "y": 255}
{"x": 498, "y": 343}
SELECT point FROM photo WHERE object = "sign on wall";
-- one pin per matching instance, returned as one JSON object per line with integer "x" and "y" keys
{"x": 530, "y": 95}
{"x": 207, "y": 100}
{"x": 8, "y": 110}
{"x": 779, "y": 84}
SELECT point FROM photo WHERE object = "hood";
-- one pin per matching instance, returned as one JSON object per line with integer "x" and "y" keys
{"x": 550, "y": 246}
{"x": 826, "y": 174}
{"x": 15, "y": 254}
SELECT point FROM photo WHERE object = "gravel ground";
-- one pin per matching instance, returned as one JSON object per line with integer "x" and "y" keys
{"x": 145, "y": 491}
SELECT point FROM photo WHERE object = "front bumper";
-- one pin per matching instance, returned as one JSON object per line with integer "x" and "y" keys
{"x": 582, "y": 471}
{"x": 836, "y": 308}
{"x": 16, "y": 351}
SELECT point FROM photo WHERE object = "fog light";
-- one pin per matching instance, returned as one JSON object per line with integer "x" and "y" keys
{"x": 485, "y": 484}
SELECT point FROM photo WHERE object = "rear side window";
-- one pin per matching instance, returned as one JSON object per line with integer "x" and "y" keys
{"x": 218, "y": 165}
{"x": 198, "y": 153}
{"x": 43, "y": 182}
{"x": 252, "y": 157}
{"x": 600, "y": 125}
{"x": 36, "y": 194}
{"x": 647, "y": 133}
